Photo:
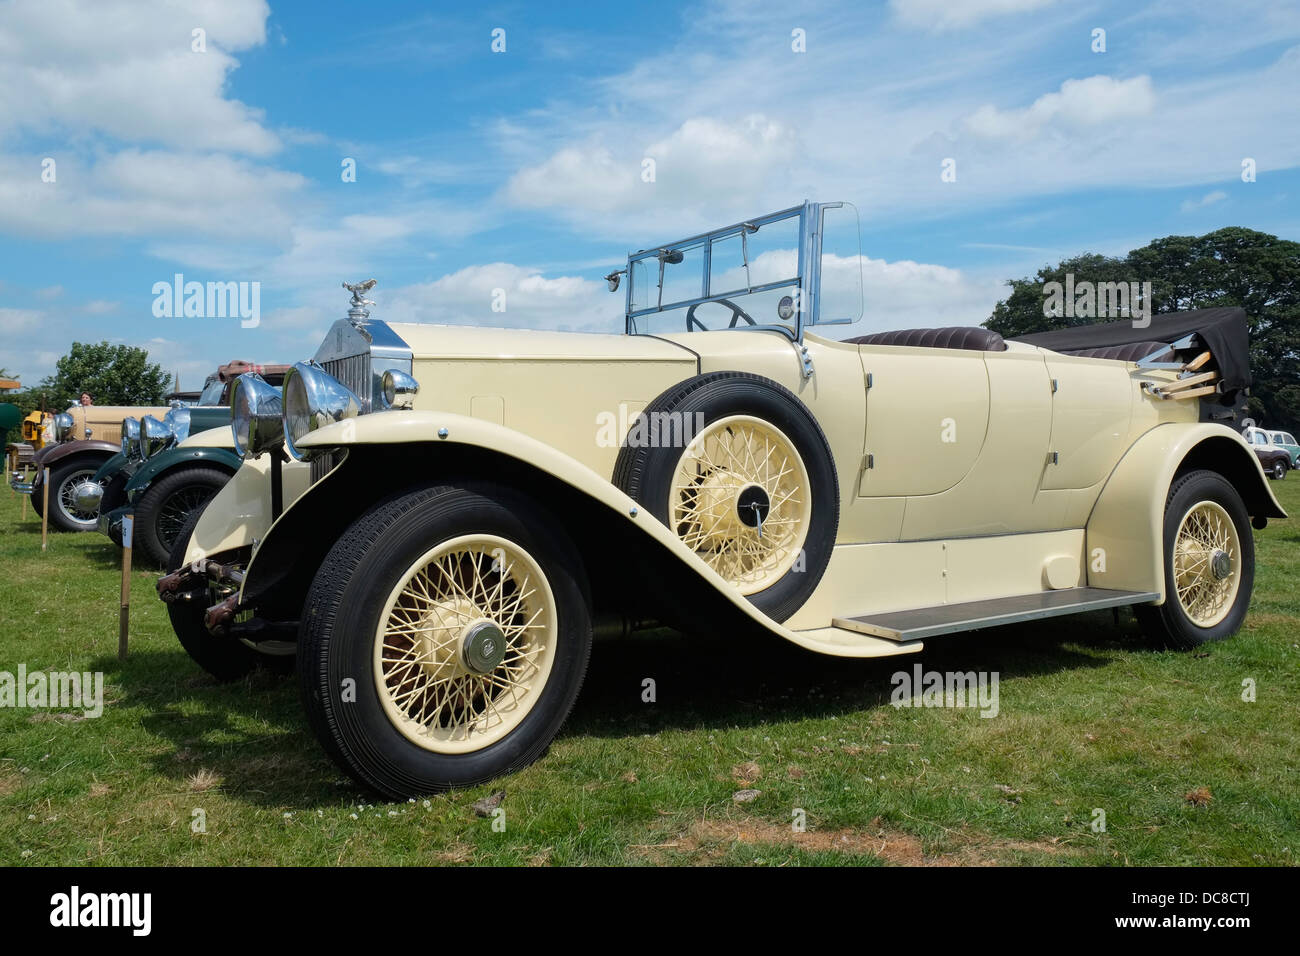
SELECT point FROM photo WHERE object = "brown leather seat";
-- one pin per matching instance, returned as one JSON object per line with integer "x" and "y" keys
{"x": 952, "y": 337}
{"x": 1123, "y": 353}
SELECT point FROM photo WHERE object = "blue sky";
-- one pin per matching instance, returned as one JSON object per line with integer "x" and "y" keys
{"x": 521, "y": 170}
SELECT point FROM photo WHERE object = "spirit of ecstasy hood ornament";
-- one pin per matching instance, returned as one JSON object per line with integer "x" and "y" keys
{"x": 358, "y": 313}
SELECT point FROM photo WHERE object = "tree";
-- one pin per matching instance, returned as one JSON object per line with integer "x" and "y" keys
{"x": 112, "y": 374}
{"x": 1231, "y": 266}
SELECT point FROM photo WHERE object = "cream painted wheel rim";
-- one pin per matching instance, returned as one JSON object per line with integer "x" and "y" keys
{"x": 1207, "y": 563}
{"x": 442, "y": 604}
{"x": 733, "y": 465}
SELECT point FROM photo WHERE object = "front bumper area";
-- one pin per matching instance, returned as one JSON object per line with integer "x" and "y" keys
{"x": 111, "y": 523}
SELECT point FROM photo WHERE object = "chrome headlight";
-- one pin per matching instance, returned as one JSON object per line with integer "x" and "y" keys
{"x": 63, "y": 423}
{"x": 131, "y": 438}
{"x": 178, "y": 419}
{"x": 399, "y": 389}
{"x": 155, "y": 436}
{"x": 256, "y": 420}
{"x": 313, "y": 399}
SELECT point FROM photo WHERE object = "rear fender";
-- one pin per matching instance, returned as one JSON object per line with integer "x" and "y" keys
{"x": 1125, "y": 532}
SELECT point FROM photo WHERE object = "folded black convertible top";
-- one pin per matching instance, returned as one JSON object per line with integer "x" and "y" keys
{"x": 1222, "y": 330}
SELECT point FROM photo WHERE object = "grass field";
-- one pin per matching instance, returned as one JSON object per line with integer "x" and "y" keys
{"x": 1090, "y": 718}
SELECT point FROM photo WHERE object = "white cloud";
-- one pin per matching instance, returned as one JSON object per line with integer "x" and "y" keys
{"x": 1079, "y": 103}
{"x": 532, "y": 300}
{"x": 147, "y": 193}
{"x": 954, "y": 14}
{"x": 127, "y": 70}
{"x": 1209, "y": 199}
{"x": 697, "y": 165}
{"x": 16, "y": 321}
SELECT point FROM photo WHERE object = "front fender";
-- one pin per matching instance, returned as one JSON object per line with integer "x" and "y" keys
{"x": 111, "y": 468}
{"x": 1125, "y": 532}
{"x": 608, "y": 507}
{"x": 53, "y": 454}
{"x": 157, "y": 466}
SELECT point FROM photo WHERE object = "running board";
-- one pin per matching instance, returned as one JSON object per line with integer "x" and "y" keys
{"x": 923, "y": 622}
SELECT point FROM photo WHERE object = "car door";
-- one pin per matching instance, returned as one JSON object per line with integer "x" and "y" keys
{"x": 1092, "y": 405}
{"x": 927, "y": 415}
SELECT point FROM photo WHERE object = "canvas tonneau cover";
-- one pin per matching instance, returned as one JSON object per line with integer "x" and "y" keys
{"x": 1223, "y": 331}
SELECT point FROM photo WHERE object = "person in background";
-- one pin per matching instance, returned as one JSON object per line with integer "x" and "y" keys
{"x": 86, "y": 399}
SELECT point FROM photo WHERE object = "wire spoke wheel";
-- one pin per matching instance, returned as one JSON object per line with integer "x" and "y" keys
{"x": 1207, "y": 563}
{"x": 67, "y": 496}
{"x": 741, "y": 499}
{"x": 465, "y": 644}
{"x": 175, "y": 511}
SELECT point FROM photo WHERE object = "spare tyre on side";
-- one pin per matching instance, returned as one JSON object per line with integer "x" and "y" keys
{"x": 737, "y": 466}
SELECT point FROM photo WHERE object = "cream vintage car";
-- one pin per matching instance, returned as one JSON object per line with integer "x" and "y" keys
{"x": 434, "y": 517}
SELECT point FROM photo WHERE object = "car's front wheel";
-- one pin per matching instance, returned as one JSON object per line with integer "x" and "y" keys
{"x": 66, "y": 511}
{"x": 444, "y": 639}
{"x": 166, "y": 507}
{"x": 1209, "y": 558}
{"x": 1279, "y": 470}
{"x": 224, "y": 657}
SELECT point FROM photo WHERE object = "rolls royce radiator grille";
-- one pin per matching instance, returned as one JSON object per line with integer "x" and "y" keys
{"x": 354, "y": 372}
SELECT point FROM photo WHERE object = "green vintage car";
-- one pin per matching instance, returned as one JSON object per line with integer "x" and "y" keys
{"x": 167, "y": 469}
{"x": 1286, "y": 441}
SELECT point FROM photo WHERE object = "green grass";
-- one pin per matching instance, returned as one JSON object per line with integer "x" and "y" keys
{"x": 1090, "y": 718}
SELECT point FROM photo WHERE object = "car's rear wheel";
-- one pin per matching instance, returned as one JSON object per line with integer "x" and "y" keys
{"x": 444, "y": 639}
{"x": 739, "y": 469}
{"x": 162, "y": 512}
{"x": 224, "y": 657}
{"x": 65, "y": 513}
{"x": 1209, "y": 558}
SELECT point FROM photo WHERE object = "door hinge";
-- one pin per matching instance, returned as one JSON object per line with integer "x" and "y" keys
{"x": 1053, "y": 457}
{"x": 870, "y": 381}
{"x": 1055, "y": 386}
{"x": 805, "y": 358}
{"x": 868, "y": 461}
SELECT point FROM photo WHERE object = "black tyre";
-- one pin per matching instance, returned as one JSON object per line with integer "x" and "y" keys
{"x": 65, "y": 514}
{"x": 739, "y": 468}
{"x": 1209, "y": 558}
{"x": 1279, "y": 470}
{"x": 225, "y": 658}
{"x": 164, "y": 509}
{"x": 444, "y": 639}
{"x": 38, "y": 507}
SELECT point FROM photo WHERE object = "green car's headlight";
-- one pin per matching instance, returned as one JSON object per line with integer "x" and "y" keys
{"x": 313, "y": 399}
{"x": 256, "y": 421}
{"x": 178, "y": 420}
{"x": 155, "y": 436}
{"x": 63, "y": 423}
{"x": 131, "y": 438}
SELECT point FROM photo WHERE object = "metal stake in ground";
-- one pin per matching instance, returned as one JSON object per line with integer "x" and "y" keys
{"x": 45, "y": 508}
{"x": 124, "y": 613}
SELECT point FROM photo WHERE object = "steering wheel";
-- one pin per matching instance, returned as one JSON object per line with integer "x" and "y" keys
{"x": 737, "y": 313}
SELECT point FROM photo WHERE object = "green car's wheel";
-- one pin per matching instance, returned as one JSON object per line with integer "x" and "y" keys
{"x": 444, "y": 639}
{"x": 162, "y": 512}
